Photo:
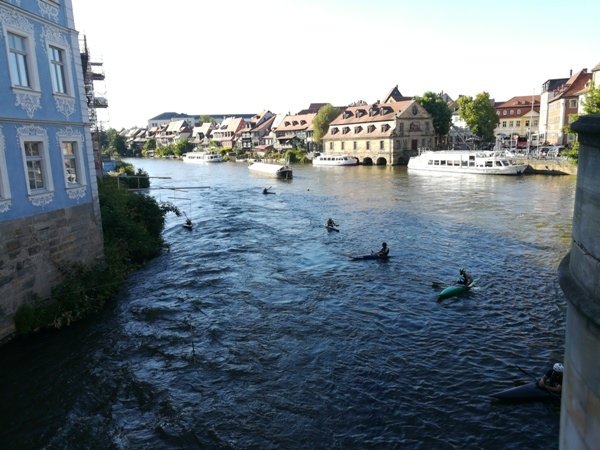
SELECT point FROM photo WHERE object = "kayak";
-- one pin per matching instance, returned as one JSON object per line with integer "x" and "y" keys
{"x": 529, "y": 392}
{"x": 371, "y": 256}
{"x": 456, "y": 289}
{"x": 331, "y": 228}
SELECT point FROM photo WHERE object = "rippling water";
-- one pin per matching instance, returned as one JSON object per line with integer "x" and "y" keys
{"x": 256, "y": 330}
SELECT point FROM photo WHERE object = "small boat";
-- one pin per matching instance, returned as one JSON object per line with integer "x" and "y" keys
{"x": 202, "y": 157}
{"x": 331, "y": 228}
{"x": 334, "y": 160}
{"x": 188, "y": 225}
{"x": 371, "y": 256}
{"x": 528, "y": 392}
{"x": 476, "y": 162}
{"x": 281, "y": 171}
{"x": 456, "y": 289}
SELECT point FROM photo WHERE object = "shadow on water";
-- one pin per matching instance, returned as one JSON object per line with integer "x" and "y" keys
{"x": 257, "y": 331}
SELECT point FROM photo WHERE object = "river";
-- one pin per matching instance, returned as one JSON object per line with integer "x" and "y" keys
{"x": 256, "y": 331}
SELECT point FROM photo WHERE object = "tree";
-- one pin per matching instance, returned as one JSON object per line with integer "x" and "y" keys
{"x": 479, "y": 115}
{"x": 440, "y": 112}
{"x": 205, "y": 118}
{"x": 591, "y": 102}
{"x": 322, "y": 120}
{"x": 113, "y": 143}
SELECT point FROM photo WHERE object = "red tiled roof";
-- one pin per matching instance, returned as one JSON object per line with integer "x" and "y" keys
{"x": 360, "y": 114}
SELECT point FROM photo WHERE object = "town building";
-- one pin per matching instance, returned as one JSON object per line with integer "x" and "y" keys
{"x": 228, "y": 132}
{"x": 295, "y": 131}
{"x": 49, "y": 209}
{"x": 383, "y": 133}
{"x": 257, "y": 129}
{"x": 518, "y": 121}
{"x": 563, "y": 105}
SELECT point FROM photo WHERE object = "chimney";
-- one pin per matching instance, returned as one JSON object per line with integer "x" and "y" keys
{"x": 570, "y": 73}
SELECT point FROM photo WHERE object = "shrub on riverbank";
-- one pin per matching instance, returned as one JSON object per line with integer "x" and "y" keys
{"x": 132, "y": 225}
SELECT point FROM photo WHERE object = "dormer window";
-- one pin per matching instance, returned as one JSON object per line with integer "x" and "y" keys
{"x": 360, "y": 112}
{"x": 287, "y": 124}
{"x": 335, "y": 130}
{"x": 519, "y": 111}
{"x": 357, "y": 129}
{"x": 303, "y": 122}
{"x": 385, "y": 127}
{"x": 346, "y": 130}
{"x": 295, "y": 122}
{"x": 370, "y": 128}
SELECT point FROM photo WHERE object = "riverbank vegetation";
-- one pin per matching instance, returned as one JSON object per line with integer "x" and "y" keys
{"x": 132, "y": 224}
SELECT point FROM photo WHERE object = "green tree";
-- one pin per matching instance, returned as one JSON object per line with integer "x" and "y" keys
{"x": 479, "y": 115}
{"x": 113, "y": 143}
{"x": 591, "y": 102}
{"x": 205, "y": 118}
{"x": 440, "y": 112}
{"x": 182, "y": 147}
{"x": 322, "y": 120}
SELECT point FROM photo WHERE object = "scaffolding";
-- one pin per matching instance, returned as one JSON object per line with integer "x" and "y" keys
{"x": 96, "y": 99}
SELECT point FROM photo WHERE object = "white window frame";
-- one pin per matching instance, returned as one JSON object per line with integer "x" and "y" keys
{"x": 58, "y": 70}
{"x": 5, "y": 195}
{"x": 37, "y": 134}
{"x": 70, "y": 136}
{"x": 30, "y": 58}
{"x": 56, "y": 39}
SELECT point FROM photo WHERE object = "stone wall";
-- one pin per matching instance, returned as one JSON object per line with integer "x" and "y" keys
{"x": 33, "y": 250}
{"x": 579, "y": 276}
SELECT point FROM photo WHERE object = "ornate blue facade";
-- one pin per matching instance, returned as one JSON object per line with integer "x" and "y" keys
{"x": 49, "y": 212}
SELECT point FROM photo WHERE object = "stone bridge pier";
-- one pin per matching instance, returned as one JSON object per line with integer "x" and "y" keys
{"x": 579, "y": 276}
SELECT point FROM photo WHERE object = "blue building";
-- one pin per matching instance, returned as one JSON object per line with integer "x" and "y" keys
{"x": 49, "y": 211}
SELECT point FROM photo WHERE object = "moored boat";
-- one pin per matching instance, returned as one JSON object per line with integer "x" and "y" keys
{"x": 281, "y": 171}
{"x": 202, "y": 157}
{"x": 476, "y": 162}
{"x": 334, "y": 160}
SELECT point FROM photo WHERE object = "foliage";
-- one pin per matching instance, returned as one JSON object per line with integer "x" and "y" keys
{"x": 479, "y": 115}
{"x": 182, "y": 147}
{"x": 132, "y": 225}
{"x": 322, "y": 120}
{"x": 296, "y": 155}
{"x": 591, "y": 102}
{"x": 205, "y": 118}
{"x": 441, "y": 113}
{"x": 150, "y": 144}
{"x": 138, "y": 180}
{"x": 573, "y": 152}
{"x": 112, "y": 143}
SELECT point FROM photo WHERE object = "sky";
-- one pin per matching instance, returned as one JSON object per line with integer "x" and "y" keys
{"x": 242, "y": 57}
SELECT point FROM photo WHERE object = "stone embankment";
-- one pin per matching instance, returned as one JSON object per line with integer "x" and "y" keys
{"x": 559, "y": 166}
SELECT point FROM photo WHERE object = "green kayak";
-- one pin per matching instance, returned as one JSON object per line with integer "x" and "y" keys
{"x": 456, "y": 289}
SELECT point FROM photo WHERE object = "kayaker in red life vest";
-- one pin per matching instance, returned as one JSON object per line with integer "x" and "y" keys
{"x": 552, "y": 380}
{"x": 384, "y": 251}
{"x": 466, "y": 278}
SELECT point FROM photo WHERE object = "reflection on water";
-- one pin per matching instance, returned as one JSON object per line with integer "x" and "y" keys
{"x": 256, "y": 330}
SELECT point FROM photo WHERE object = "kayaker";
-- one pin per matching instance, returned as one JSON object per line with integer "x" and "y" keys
{"x": 466, "y": 279}
{"x": 265, "y": 190}
{"x": 384, "y": 251}
{"x": 552, "y": 380}
{"x": 331, "y": 223}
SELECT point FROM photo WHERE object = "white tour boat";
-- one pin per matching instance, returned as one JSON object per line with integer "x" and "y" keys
{"x": 202, "y": 157}
{"x": 334, "y": 160}
{"x": 276, "y": 170}
{"x": 458, "y": 161}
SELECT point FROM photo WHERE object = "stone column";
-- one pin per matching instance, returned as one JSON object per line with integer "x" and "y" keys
{"x": 579, "y": 276}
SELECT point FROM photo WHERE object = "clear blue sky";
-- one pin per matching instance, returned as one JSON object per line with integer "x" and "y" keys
{"x": 238, "y": 56}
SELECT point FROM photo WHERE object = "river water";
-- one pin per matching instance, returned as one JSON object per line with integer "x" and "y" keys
{"x": 255, "y": 330}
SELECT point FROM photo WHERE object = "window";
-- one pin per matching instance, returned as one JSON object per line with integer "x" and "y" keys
{"x": 504, "y": 124}
{"x": 57, "y": 70}
{"x": 34, "y": 160}
{"x": 354, "y": 145}
{"x": 381, "y": 145}
{"x": 70, "y": 159}
{"x": 527, "y": 123}
{"x": 518, "y": 123}
{"x": 510, "y": 123}
{"x": 368, "y": 145}
{"x": 519, "y": 111}
{"x": 573, "y": 103}
{"x": 342, "y": 145}
{"x": 18, "y": 61}
{"x": 4, "y": 186}
{"x": 331, "y": 146}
